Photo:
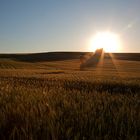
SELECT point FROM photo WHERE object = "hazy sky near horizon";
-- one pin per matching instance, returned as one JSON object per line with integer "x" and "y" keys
{"x": 66, "y": 25}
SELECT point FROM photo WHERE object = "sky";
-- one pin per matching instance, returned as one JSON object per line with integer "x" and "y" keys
{"x": 66, "y": 25}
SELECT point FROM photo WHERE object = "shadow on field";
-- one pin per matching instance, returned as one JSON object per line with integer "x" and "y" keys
{"x": 40, "y": 57}
{"x": 60, "y": 56}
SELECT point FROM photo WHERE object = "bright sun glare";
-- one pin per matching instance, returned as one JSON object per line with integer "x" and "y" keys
{"x": 109, "y": 41}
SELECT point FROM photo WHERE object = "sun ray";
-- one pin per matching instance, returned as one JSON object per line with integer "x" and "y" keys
{"x": 109, "y": 41}
{"x": 113, "y": 59}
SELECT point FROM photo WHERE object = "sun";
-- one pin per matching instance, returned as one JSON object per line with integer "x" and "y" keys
{"x": 109, "y": 41}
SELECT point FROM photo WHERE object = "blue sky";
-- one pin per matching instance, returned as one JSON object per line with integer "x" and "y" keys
{"x": 66, "y": 25}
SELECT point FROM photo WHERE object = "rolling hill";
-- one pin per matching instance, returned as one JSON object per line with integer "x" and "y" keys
{"x": 59, "y": 56}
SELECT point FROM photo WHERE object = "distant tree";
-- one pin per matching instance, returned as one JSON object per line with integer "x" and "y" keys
{"x": 90, "y": 59}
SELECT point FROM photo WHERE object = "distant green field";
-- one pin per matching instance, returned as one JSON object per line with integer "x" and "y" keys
{"x": 54, "y": 99}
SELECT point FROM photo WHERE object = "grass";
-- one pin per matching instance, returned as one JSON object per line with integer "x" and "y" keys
{"x": 64, "y": 103}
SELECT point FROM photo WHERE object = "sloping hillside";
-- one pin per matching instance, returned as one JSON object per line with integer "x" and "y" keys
{"x": 59, "y": 56}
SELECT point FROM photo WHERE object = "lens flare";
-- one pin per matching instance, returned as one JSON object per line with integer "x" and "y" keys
{"x": 109, "y": 41}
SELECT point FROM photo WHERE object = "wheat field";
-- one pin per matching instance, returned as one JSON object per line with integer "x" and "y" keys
{"x": 55, "y": 100}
